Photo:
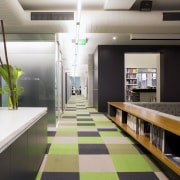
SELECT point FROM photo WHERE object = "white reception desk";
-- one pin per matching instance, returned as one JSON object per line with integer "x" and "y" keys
{"x": 13, "y": 123}
{"x": 23, "y": 142}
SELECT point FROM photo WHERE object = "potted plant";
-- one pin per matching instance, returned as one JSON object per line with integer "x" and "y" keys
{"x": 15, "y": 90}
{"x": 11, "y": 76}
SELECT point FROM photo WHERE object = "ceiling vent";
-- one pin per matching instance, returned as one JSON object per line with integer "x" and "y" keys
{"x": 52, "y": 15}
{"x": 145, "y": 5}
{"x": 171, "y": 16}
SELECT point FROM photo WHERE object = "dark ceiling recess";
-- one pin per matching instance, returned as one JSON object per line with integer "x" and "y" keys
{"x": 145, "y": 6}
{"x": 171, "y": 16}
{"x": 52, "y": 15}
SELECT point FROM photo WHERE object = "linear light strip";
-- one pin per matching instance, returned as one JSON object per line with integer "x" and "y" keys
{"x": 154, "y": 36}
{"x": 78, "y": 19}
{"x": 79, "y": 7}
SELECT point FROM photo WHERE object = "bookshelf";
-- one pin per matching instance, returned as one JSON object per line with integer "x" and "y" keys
{"x": 131, "y": 78}
{"x": 139, "y": 79}
{"x": 160, "y": 135}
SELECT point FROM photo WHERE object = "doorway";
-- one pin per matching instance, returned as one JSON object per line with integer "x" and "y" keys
{"x": 142, "y": 77}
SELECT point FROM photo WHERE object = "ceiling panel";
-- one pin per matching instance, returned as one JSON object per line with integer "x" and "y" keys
{"x": 48, "y": 5}
{"x": 118, "y": 4}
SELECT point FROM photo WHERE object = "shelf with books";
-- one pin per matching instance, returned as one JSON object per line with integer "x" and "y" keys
{"x": 131, "y": 77}
{"x": 157, "y": 137}
{"x": 160, "y": 135}
{"x": 131, "y": 81}
{"x": 143, "y": 128}
{"x": 131, "y": 121}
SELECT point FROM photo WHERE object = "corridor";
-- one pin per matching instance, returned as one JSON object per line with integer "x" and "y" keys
{"x": 88, "y": 146}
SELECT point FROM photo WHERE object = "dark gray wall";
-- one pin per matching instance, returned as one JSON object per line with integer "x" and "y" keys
{"x": 170, "y": 73}
{"x": 108, "y": 77}
{"x": 109, "y": 72}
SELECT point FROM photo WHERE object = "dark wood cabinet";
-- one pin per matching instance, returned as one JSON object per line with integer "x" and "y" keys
{"x": 5, "y": 164}
{"x": 22, "y": 159}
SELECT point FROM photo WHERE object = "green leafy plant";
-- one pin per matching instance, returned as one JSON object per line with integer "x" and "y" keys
{"x": 11, "y": 76}
{"x": 15, "y": 74}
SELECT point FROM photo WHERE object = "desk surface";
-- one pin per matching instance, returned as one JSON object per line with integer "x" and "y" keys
{"x": 14, "y": 123}
{"x": 154, "y": 117}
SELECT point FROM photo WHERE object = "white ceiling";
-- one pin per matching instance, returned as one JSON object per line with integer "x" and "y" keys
{"x": 100, "y": 21}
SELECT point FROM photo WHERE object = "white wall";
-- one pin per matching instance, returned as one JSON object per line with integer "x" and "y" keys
{"x": 84, "y": 82}
{"x": 27, "y": 51}
{"x": 143, "y": 60}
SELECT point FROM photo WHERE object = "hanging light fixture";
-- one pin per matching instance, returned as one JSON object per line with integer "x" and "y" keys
{"x": 78, "y": 11}
{"x": 78, "y": 19}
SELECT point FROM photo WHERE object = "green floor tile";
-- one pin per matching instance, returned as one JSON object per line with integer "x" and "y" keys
{"x": 121, "y": 149}
{"x": 131, "y": 163}
{"x": 92, "y": 109}
{"x": 110, "y": 134}
{"x": 68, "y": 124}
{"x": 50, "y": 139}
{"x": 96, "y": 118}
{"x": 69, "y": 113}
{"x": 38, "y": 177}
{"x": 63, "y": 149}
{"x": 103, "y": 123}
{"x": 85, "y": 122}
{"x": 98, "y": 176}
{"x": 70, "y": 119}
{"x": 66, "y": 133}
{"x": 99, "y": 120}
{"x": 63, "y": 163}
{"x": 90, "y": 140}
{"x": 65, "y": 157}
{"x": 83, "y": 117}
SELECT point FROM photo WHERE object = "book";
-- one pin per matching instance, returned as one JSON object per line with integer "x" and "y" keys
{"x": 118, "y": 115}
{"x": 143, "y": 128}
{"x": 157, "y": 136}
{"x": 131, "y": 121}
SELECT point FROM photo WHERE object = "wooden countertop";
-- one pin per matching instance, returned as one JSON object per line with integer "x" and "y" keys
{"x": 152, "y": 116}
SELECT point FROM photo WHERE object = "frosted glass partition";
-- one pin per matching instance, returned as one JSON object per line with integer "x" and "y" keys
{"x": 37, "y": 59}
{"x": 39, "y": 84}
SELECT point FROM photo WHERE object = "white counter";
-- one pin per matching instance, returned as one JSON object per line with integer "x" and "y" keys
{"x": 14, "y": 123}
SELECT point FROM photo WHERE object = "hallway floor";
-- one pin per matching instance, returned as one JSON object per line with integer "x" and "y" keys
{"x": 88, "y": 146}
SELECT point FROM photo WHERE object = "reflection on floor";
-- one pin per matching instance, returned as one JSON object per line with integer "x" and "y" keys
{"x": 88, "y": 146}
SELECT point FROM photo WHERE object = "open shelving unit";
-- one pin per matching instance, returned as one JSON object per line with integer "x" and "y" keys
{"x": 131, "y": 81}
{"x": 161, "y": 137}
{"x": 131, "y": 78}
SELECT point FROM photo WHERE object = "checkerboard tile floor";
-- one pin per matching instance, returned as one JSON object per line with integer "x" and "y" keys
{"x": 88, "y": 146}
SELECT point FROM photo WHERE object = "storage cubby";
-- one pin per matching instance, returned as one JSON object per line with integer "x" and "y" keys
{"x": 159, "y": 134}
{"x": 172, "y": 147}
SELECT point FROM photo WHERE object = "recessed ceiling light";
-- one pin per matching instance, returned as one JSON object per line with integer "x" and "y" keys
{"x": 114, "y": 38}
